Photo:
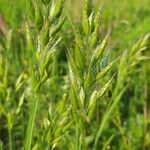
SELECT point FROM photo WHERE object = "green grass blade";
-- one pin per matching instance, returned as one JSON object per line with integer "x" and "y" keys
{"x": 106, "y": 117}
{"x": 30, "y": 126}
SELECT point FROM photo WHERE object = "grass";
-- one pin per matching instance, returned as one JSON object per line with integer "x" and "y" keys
{"x": 73, "y": 80}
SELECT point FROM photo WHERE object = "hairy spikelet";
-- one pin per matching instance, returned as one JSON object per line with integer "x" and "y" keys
{"x": 57, "y": 28}
{"x": 38, "y": 16}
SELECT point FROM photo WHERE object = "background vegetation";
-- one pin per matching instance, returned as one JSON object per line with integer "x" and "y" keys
{"x": 87, "y": 97}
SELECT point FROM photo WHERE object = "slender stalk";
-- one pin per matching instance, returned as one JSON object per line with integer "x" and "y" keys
{"x": 10, "y": 140}
{"x": 125, "y": 141}
{"x": 145, "y": 109}
{"x": 106, "y": 118}
{"x": 1, "y": 146}
{"x": 77, "y": 137}
{"x": 145, "y": 124}
{"x": 31, "y": 124}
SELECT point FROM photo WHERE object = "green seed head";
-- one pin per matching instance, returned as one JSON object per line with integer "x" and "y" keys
{"x": 45, "y": 34}
{"x": 58, "y": 9}
{"x": 38, "y": 17}
{"x": 85, "y": 23}
{"x": 30, "y": 7}
{"x": 57, "y": 28}
{"x": 88, "y": 7}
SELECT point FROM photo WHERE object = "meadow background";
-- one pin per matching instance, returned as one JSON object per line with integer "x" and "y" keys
{"x": 128, "y": 126}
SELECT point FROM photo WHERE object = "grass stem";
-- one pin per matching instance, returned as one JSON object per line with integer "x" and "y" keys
{"x": 10, "y": 140}
{"x": 31, "y": 124}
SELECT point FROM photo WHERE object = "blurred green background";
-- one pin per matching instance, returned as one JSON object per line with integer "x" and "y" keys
{"x": 125, "y": 20}
{"x": 129, "y": 18}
